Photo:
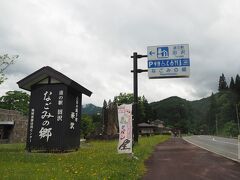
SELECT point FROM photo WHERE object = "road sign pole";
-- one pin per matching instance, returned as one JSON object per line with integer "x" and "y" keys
{"x": 174, "y": 58}
{"x": 135, "y": 93}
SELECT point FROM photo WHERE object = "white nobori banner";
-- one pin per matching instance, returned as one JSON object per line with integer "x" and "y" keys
{"x": 125, "y": 128}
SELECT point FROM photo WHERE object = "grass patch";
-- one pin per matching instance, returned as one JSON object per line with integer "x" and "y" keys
{"x": 94, "y": 160}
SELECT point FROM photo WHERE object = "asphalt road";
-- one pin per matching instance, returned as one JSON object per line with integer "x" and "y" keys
{"x": 223, "y": 146}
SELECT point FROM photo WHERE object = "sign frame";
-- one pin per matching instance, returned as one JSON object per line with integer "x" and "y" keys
{"x": 168, "y": 61}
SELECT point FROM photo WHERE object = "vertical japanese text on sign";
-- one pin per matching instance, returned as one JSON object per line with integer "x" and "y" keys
{"x": 125, "y": 128}
{"x": 45, "y": 131}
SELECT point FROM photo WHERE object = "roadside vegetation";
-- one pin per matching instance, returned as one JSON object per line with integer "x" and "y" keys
{"x": 214, "y": 115}
{"x": 5, "y": 62}
{"x": 94, "y": 160}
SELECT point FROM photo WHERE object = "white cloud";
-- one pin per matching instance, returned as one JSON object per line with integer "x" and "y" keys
{"x": 92, "y": 41}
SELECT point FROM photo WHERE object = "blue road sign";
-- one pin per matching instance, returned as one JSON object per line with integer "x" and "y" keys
{"x": 168, "y": 63}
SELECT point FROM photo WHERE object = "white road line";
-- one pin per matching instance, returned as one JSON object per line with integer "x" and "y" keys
{"x": 210, "y": 150}
{"x": 213, "y": 139}
{"x": 210, "y": 145}
{"x": 224, "y": 142}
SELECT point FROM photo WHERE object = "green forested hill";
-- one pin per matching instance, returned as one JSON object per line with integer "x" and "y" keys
{"x": 200, "y": 109}
{"x": 201, "y": 116}
{"x": 174, "y": 111}
{"x": 91, "y": 109}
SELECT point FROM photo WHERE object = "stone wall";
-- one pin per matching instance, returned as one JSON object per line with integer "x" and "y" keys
{"x": 18, "y": 131}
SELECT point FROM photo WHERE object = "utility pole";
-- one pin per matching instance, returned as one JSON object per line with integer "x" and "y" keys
{"x": 135, "y": 93}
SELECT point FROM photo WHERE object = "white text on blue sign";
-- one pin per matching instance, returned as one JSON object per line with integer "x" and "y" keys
{"x": 168, "y": 63}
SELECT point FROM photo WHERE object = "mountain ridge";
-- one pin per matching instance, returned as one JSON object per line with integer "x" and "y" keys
{"x": 91, "y": 109}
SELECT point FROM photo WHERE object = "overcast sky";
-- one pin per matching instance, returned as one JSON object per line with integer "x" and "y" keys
{"x": 91, "y": 42}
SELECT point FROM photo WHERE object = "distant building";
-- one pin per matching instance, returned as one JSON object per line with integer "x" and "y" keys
{"x": 13, "y": 126}
{"x": 159, "y": 126}
{"x": 155, "y": 127}
{"x": 158, "y": 123}
{"x": 146, "y": 129}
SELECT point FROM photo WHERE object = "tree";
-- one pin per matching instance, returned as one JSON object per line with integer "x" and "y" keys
{"x": 232, "y": 84}
{"x": 211, "y": 115}
{"x": 144, "y": 109}
{"x": 5, "y": 62}
{"x": 15, "y": 100}
{"x": 110, "y": 118}
{"x": 230, "y": 129}
{"x": 105, "y": 116}
{"x": 237, "y": 84}
{"x": 222, "y": 83}
{"x": 86, "y": 125}
{"x": 124, "y": 98}
{"x": 97, "y": 122}
{"x": 141, "y": 112}
{"x": 149, "y": 115}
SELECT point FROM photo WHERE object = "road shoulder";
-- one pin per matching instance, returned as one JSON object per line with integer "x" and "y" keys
{"x": 210, "y": 150}
{"x": 178, "y": 159}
